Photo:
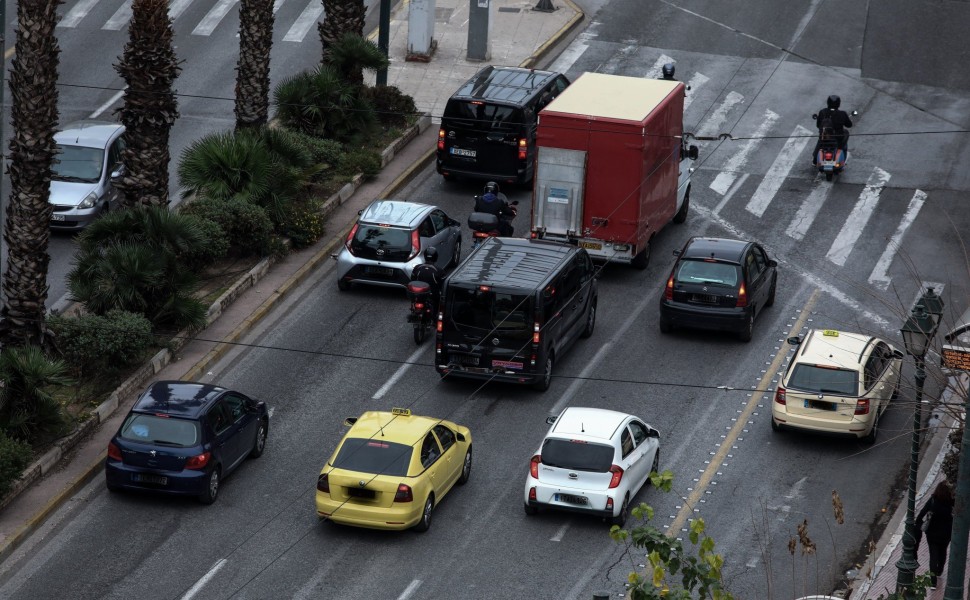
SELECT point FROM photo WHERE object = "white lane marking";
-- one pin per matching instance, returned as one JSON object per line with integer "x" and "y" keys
{"x": 696, "y": 81}
{"x": 809, "y": 209}
{"x": 722, "y": 183}
{"x": 120, "y": 18}
{"x": 571, "y": 54}
{"x": 205, "y": 579}
{"x": 779, "y": 171}
{"x": 107, "y": 104}
{"x": 306, "y": 20}
{"x": 727, "y": 197}
{"x": 397, "y": 375}
{"x": 559, "y": 534}
{"x": 856, "y": 222}
{"x": 277, "y": 5}
{"x": 657, "y": 68}
{"x": 212, "y": 19}
{"x": 177, "y": 7}
{"x": 412, "y": 587}
{"x": 880, "y": 273}
{"x": 78, "y": 12}
{"x": 621, "y": 55}
{"x": 713, "y": 124}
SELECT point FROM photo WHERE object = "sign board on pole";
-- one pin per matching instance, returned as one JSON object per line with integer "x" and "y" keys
{"x": 482, "y": 3}
{"x": 955, "y": 357}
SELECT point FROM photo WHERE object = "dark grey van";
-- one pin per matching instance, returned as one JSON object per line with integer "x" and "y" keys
{"x": 512, "y": 308}
{"x": 488, "y": 129}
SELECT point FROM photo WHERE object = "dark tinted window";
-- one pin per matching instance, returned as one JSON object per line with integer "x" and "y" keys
{"x": 429, "y": 450}
{"x": 482, "y": 115}
{"x": 810, "y": 378}
{"x": 373, "y": 456}
{"x": 78, "y": 163}
{"x": 626, "y": 442}
{"x": 702, "y": 271}
{"x": 760, "y": 259}
{"x": 165, "y": 431}
{"x": 508, "y": 314}
{"x": 236, "y": 405}
{"x": 219, "y": 417}
{"x": 445, "y": 436}
{"x": 639, "y": 431}
{"x": 577, "y": 455}
{"x": 394, "y": 241}
{"x": 439, "y": 220}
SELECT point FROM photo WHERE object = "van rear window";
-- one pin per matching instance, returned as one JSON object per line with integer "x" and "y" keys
{"x": 482, "y": 115}
{"x": 488, "y": 311}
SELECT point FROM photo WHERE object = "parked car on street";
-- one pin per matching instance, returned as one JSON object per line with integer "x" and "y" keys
{"x": 592, "y": 461}
{"x": 184, "y": 438}
{"x": 391, "y": 469}
{"x": 85, "y": 170}
{"x": 837, "y": 382}
{"x": 389, "y": 240}
{"x": 719, "y": 284}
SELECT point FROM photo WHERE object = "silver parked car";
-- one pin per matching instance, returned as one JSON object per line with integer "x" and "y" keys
{"x": 389, "y": 240}
{"x": 84, "y": 171}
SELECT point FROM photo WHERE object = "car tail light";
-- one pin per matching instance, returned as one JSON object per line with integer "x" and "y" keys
{"x": 441, "y": 139}
{"x": 827, "y": 156}
{"x": 742, "y": 297}
{"x": 415, "y": 244}
{"x": 113, "y": 452}
{"x": 669, "y": 290}
{"x": 535, "y": 333}
{"x": 480, "y": 234}
{"x": 404, "y": 494}
{"x": 532, "y": 495}
{"x": 441, "y": 323}
{"x": 323, "y": 483}
{"x": 862, "y": 406}
{"x": 617, "y": 476}
{"x": 781, "y": 396}
{"x": 350, "y": 237}
{"x": 534, "y": 466}
{"x": 523, "y": 148}
{"x": 419, "y": 306}
{"x": 198, "y": 461}
{"x": 609, "y": 503}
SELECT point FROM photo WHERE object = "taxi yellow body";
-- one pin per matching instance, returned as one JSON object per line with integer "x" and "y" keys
{"x": 391, "y": 469}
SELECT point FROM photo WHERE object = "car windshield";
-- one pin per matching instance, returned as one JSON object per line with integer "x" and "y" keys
{"x": 371, "y": 455}
{"x": 709, "y": 272}
{"x": 577, "y": 455}
{"x": 78, "y": 163}
{"x": 825, "y": 380}
{"x": 161, "y": 430}
{"x": 481, "y": 115}
{"x": 381, "y": 242}
{"x": 488, "y": 311}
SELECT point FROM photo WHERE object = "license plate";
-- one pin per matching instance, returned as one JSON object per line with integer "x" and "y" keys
{"x": 471, "y": 361}
{"x": 820, "y": 405}
{"x": 383, "y": 271}
{"x": 146, "y": 478}
{"x": 703, "y": 298}
{"x": 463, "y": 152}
{"x": 570, "y": 499}
{"x": 507, "y": 364}
{"x": 56, "y": 217}
{"x": 360, "y": 493}
{"x": 591, "y": 245}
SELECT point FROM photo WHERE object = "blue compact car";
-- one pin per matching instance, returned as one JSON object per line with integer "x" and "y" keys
{"x": 183, "y": 438}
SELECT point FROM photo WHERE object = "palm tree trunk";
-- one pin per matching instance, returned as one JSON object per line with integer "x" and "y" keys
{"x": 33, "y": 91}
{"x": 149, "y": 67}
{"x": 252, "y": 71}
{"x": 340, "y": 17}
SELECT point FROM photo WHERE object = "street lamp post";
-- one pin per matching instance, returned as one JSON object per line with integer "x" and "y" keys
{"x": 918, "y": 332}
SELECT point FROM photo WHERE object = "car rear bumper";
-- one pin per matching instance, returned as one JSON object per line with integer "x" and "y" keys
{"x": 718, "y": 319}
{"x": 519, "y": 175}
{"x": 401, "y": 515}
{"x": 186, "y": 482}
{"x": 358, "y": 270}
{"x": 546, "y": 497}
{"x": 488, "y": 374}
{"x": 75, "y": 219}
{"x": 855, "y": 428}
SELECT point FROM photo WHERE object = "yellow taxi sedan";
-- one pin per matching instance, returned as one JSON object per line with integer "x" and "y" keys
{"x": 391, "y": 470}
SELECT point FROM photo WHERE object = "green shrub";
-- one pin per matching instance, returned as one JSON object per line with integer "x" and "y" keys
{"x": 322, "y": 151}
{"x": 246, "y": 225}
{"x": 367, "y": 162}
{"x": 322, "y": 103}
{"x": 28, "y": 409}
{"x": 14, "y": 457}
{"x": 394, "y": 108}
{"x": 92, "y": 344}
{"x": 305, "y": 225}
{"x": 216, "y": 246}
{"x": 223, "y": 165}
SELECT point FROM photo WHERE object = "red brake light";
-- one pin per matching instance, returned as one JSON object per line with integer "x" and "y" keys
{"x": 350, "y": 236}
{"x": 532, "y": 494}
{"x": 419, "y": 305}
{"x": 404, "y": 494}
{"x": 197, "y": 462}
{"x": 828, "y": 156}
{"x": 617, "y": 476}
{"x": 441, "y": 318}
{"x": 781, "y": 395}
{"x": 669, "y": 290}
{"x": 415, "y": 244}
{"x": 862, "y": 407}
{"x": 535, "y": 333}
{"x": 534, "y": 466}
{"x": 480, "y": 234}
{"x": 441, "y": 139}
{"x": 742, "y": 297}
{"x": 113, "y": 452}
{"x": 323, "y": 483}
{"x": 523, "y": 148}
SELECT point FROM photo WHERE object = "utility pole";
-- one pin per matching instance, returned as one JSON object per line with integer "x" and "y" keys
{"x": 383, "y": 37}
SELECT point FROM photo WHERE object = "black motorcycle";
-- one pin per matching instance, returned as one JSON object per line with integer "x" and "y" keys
{"x": 422, "y": 315}
{"x": 486, "y": 225}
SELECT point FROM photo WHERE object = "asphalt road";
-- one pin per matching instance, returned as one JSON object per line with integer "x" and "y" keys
{"x": 324, "y": 355}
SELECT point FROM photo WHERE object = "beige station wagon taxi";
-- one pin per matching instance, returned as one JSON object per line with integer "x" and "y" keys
{"x": 837, "y": 383}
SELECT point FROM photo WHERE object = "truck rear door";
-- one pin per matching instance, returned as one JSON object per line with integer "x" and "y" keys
{"x": 559, "y": 189}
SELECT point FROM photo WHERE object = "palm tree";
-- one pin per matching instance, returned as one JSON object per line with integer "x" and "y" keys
{"x": 28, "y": 410}
{"x": 340, "y": 17}
{"x": 33, "y": 79}
{"x": 324, "y": 104}
{"x": 351, "y": 54}
{"x": 149, "y": 67}
{"x": 252, "y": 69}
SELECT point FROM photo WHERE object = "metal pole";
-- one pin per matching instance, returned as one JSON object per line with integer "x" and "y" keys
{"x": 3, "y": 154}
{"x": 956, "y": 571}
{"x": 383, "y": 37}
{"x": 907, "y": 564}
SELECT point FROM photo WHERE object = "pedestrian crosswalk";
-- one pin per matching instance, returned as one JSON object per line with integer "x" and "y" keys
{"x": 111, "y": 15}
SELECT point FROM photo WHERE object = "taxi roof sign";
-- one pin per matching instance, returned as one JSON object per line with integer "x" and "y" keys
{"x": 401, "y": 412}
{"x": 830, "y": 333}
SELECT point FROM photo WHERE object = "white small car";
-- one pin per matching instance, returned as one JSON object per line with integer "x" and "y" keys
{"x": 592, "y": 461}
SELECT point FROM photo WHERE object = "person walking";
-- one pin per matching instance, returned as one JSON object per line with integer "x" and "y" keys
{"x": 936, "y": 521}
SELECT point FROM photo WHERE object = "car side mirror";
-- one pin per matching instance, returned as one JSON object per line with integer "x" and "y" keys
{"x": 693, "y": 152}
{"x": 550, "y": 420}
{"x": 653, "y": 433}
{"x": 349, "y": 421}
{"x": 460, "y": 437}
{"x": 676, "y": 252}
{"x": 898, "y": 354}
{"x": 794, "y": 340}
{"x": 118, "y": 173}
{"x": 772, "y": 263}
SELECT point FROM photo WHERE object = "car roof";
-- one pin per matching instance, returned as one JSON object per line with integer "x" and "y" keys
{"x": 719, "y": 248}
{"x": 397, "y": 213}
{"x": 88, "y": 133}
{"x": 387, "y": 426}
{"x": 516, "y": 263}
{"x": 589, "y": 423}
{"x": 182, "y": 398}
{"x": 833, "y": 348}
{"x": 510, "y": 85}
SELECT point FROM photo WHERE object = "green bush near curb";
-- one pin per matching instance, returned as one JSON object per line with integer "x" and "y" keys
{"x": 15, "y": 455}
{"x": 93, "y": 344}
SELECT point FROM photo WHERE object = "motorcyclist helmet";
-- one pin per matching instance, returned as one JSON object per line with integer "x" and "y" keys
{"x": 431, "y": 255}
{"x": 491, "y": 188}
{"x": 833, "y": 102}
{"x": 668, "y": 70}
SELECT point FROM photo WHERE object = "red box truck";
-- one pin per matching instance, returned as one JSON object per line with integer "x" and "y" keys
{"x": 612, "y": 165}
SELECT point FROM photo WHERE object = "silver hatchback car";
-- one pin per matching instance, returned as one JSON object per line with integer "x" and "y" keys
{"x": 389, "y": 240}
{"x": 84, "y": 171}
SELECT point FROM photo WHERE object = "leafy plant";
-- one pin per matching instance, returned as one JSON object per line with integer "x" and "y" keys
{"x": 247, "y": 227}
{"x": 351, "y": 54}
{"x": 28, "y": 410}
{"x": 367, "y": 162}
{"x": 322, "y": 103}
{"x": 14, "y": 458}
{"x": 92, "y": 344}
{"x": 305, "y": 225}
{"x": 393, "y": 107}
{"x": 224, "y": 165}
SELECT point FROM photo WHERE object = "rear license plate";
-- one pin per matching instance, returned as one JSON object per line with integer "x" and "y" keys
{"x": 471, "y": 361}
{"x": 146, "y": 478}
{"x": 360, "y": 493}
{"x": 820, "y": 405}
{"x": 570, "y": 499}
{"x": 382, "y": 271}
{"x": 56, "y": 217}
{"x": 591, "y": 245}
{"x": 507, "y": 364}
{"x": 463, "y": 152}
{"x": 703, "y": 298}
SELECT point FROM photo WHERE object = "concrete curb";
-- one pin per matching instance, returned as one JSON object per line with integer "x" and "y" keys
{"x": 557, "y": 37}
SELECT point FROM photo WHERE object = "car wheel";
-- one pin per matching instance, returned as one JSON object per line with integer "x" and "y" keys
{"x": 745, "y": 334}
{"x": 828, "y": 176}
{"x": 420, "y": 332}
{"x": 456, "y": 256}
{"x": 771, "y": 294}
{"x": 665, "y": 325}
{"x": 871, "y": 436}
{"x": 620, "y": 518}
{"x": 774, "y": 425}
{"x": 681, "y": 215}
{"x": 343, "y": 285}
{"x": 544, "y": 383}
{"x": 642, "y": 259}
{"x": 531, "y": 510}
{"x": 590, "y": 320}
{"x": 259, "y": 444}
{"x": 466, "y": 468}
{"x": 211, "y": 487}
{"x": 425, "y": 523}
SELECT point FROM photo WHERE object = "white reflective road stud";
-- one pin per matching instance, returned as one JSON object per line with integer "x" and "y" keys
{"x": 722, "y": 183}
{"x": 778, "y": 172}
{"x": 306, "y": 20}
{"x": 809, "y": 209}
{"x": 215, "y": 16}
{"x": 714, "y": 123}
{"x": 856, "y": 222}
{"x": 880, "y": 273}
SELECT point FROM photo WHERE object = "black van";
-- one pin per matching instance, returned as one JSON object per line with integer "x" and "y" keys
{"x": 488, "y": 129}
{"x": 511, "y": 309}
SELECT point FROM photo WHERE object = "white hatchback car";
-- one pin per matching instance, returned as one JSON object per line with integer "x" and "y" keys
{"x": 592, "y": 461}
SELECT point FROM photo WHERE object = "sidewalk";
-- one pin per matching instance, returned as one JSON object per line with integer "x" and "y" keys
{"x": 519, "y": 36}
